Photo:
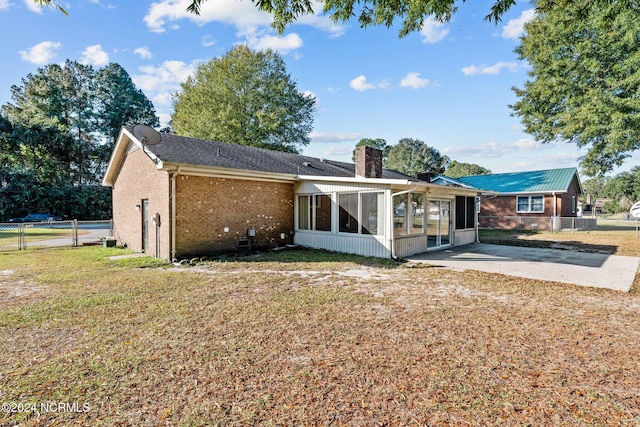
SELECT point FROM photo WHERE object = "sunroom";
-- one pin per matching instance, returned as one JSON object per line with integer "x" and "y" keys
{"x": 387, "y": 218}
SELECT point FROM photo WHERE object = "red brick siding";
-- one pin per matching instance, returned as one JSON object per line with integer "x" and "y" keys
{"x": 494, "y": 210}
{"x": 205, "y": 206}
{"x": 139, "y": 179}
{"x": 567, "y": 205}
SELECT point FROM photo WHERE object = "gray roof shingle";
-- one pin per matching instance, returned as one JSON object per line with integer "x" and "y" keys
{"x": 198, "y": 152}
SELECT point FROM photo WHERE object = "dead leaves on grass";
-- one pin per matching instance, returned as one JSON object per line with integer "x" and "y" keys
{"x": 357, "y": 346}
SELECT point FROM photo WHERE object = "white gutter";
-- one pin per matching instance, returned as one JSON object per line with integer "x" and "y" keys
{"x": 210, "y": 171}
{"x": 360, "y": 180}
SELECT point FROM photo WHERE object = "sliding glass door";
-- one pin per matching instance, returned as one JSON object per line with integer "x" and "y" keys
{"x": 438, "y": 223}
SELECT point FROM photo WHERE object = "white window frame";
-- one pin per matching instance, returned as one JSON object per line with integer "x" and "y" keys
{"x": 312, "y": 211}
{"x": 381, "y": 209}
{"x": 529, "y": 204}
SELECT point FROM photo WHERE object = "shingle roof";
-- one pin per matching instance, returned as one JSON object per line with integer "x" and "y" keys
{"x": 198, "y": 152}
{"x": 541, "y": 181}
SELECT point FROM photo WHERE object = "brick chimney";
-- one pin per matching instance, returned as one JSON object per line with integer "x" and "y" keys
{"x": 426, "y": 176}
{"x": 368, "y": 162}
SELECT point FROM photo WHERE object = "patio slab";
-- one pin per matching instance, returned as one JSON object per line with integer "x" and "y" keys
{"x": 566, "y": 266}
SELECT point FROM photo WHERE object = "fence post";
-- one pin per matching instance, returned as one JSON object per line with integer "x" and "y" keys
{"x": 74, "y": 233}
{"x": 22, "y": 240}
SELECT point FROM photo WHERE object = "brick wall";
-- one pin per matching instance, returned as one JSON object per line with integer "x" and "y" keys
{"x": 214, "y": 214}
{"x": 137, "y": 180}
{"x": 495, "y": 210}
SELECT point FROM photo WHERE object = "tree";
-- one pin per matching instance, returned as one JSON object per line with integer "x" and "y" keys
{"x": 246, "y": 98}
{"x": 382, "y": 12}
{"x": 120, "y": 102}
{"x": 595, "y": 187}
{"x": 57, "y": 134}
{"x": 378, "y": 143}
{"x": 412, "y": 14}
{"x": 624, "y": 189}
{"x": 412, "y": 156}
{"x": 86, "y": 107}
{"x": 585, "y": 86}
{"x": 457, "y": 169}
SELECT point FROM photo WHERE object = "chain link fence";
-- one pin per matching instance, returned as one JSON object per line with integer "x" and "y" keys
{"x": 538, "y": 223}
{"x": 20, "y": 236}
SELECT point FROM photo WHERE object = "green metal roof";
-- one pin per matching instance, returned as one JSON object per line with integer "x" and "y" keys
{"x": 542, "y": 181}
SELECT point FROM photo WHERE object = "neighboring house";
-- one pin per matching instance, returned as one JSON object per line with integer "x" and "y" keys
{"x": 187, "y": 197}
{"x": 532, "y": 200}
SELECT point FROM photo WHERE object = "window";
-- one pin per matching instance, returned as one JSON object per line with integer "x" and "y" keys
{"x": 322, "y": 212}
{"x": 372, "y": 213}
{"x": 358, "y": 213}
{"x": 417, "y": 213}
{"x": 465, "y": 212}
{"x": 408, "y": 214}
{"x": 304, "y": 213}
{"x": 348, "y": 216}
{"x": 530, "y": 204}
{"x": 400, "y": 214}
{"x": 314, "y": 212}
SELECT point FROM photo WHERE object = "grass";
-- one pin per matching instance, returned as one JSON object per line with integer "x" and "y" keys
{"x": 308, "y": 338}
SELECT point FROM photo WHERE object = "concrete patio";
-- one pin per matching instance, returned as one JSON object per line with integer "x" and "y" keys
{"x": 566, "y": 266}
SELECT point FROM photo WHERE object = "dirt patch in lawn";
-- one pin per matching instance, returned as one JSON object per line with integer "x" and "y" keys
{"x": 16, "y": 291}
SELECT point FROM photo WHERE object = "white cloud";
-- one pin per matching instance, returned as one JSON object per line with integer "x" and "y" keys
{"x": 160, "y": 82}
{"x": 143, "y": 52}
{"x": 433, "y": 31}
{"x": 94, "y": 55}
{"x": 515, "y": 27}
{"x": 360, "y": 84}
{"x": 4, "y": 4}
{"x": 334, "y": 137}
{"x": 321, "y": 22}
{"x": 414, "y": 81}
{"x": 257, "y": 40}
{"x": 33, "y": 6}
{"x": 496, "y": 149}
{"x": 207, "y": 41}
{"x": 494, "y": 69}
{"x": 241, "y": 14}
{"x": 338, "y": 150}
{"x": 42, "y": 53}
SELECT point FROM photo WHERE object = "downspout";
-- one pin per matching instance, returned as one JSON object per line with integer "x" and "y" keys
{"x": 477, "y": 200}
{"x": 393, "y": 241}
{"x": 555, "y": 211}
{"x": 173, "y": 212}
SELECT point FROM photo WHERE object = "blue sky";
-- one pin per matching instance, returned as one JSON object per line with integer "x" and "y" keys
{"x": 448, "y": 85}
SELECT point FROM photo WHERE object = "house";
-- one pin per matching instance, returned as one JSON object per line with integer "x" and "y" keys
{"x": 186, "y": 197}
{"x": 530, "y": 200}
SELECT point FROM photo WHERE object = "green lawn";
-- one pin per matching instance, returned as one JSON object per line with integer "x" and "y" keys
{"x": 307, "y": 338}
